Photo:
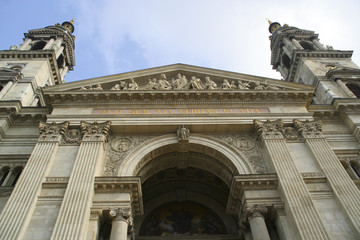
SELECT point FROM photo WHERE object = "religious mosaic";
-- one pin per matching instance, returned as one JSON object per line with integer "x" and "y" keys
{"x": 182, "y": 219}
{"x": 182, "y": 82}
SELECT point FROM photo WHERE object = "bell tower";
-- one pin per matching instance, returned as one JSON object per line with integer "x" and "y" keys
{"x": 43, "y": 59}
{"x": 300, "y": 57}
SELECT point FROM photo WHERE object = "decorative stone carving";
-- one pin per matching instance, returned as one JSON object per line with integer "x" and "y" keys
{"x": 124, "y": 214}
{"x": 133, "y": 85}
{"x": 180, "y": 82}
{"x": 258, "y": 86}
{"x": 163, "y": 83}
{"x": 210, "y": 84}
{"x": 255, "y": 210}
{"x": 89, "y": 88}
{"x": 183, "y": 134}
{"x": 119, "y": 148}
{"x": 195, "y": 83}
{"x": 243, "y": 85}
{"x": 95, "y": 128}
{"x": 72, "y": 136}
{"x": 52, "y": 128}
{"x": 269, "y": 129}
{"x": 291, "y": 134}
{"x": 226, "y": 84}
{"x": 121, "y": 145}
{"x": 248, "y": 148}
{"x": 152, "y": 85}
{"x": 309, "y": 129}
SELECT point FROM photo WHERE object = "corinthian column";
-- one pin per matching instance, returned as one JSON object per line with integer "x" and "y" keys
{"x": 346, "y": 192}
{"x": 74, "y": 212}
{"x": 296, "y": 196}
{"x": 257, "y": 223}
{"x": 120, "y": 223}
{"x": 21, "y": 204}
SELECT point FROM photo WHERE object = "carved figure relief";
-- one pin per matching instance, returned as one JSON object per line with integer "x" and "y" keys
{"x": 248, "y": 147}
{"x": 180, "y": 82}
{"x": 183, "y": 133}
{"x": 72, "y": 136}
{"x": 118, "y": 149}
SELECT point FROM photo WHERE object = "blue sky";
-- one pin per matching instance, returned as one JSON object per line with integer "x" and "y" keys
{"x": 115, "y": 36}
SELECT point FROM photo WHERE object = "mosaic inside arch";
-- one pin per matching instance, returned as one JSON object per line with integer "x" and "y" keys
{"x": 182, "y": 219}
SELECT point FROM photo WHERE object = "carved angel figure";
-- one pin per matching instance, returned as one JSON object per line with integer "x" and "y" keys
{"x": 232, "y": 85}
{"x": 210, "y": 84}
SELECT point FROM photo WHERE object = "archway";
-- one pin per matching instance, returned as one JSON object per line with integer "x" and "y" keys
{"x": 192, "y": 179}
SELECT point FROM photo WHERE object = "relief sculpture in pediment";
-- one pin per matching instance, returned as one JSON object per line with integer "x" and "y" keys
{"x": 181, "y": 82}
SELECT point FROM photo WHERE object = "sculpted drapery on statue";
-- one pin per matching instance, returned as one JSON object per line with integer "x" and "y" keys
{"x": 183, "y": 133}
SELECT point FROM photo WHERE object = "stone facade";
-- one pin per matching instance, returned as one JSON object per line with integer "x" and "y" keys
{"x": 179, "y": 152}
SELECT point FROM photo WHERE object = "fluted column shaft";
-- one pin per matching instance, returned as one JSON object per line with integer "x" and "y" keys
{"x": 346, "y": 192}
{"x": 74, "y": 212}
{"x": 19, "y": 208}
{"x": 295, "y": 192}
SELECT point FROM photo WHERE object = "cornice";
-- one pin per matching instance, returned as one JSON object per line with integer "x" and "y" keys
{"x": 130, "y": 185}
{"x": 300, "y": 54}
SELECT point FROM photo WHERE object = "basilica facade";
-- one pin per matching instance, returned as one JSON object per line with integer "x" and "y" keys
{"x": 179, "y": 151}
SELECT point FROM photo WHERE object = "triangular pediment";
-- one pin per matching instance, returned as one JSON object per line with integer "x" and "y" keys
{"x": 178, "y": 77}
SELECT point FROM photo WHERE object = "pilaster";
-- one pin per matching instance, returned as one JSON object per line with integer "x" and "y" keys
{"x": 343, "y": 187}
{"x": 296, "y": 196}
{"x": 21, "y": 204}
{"x": 74, "y": 212}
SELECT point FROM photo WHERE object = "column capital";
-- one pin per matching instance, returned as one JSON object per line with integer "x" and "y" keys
{"x": 121, "y": 214}
{"x": 256, "y": 210}
{"x": 309, "y": 129}
{"x": 52, "y": 131}
{"x": 269, "y": 129}
{"x": 95, "y": 131}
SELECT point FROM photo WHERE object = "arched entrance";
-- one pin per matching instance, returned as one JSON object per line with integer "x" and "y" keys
{"x": 185, "y": 187}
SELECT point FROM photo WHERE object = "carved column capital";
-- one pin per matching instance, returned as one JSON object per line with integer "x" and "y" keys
{"x": 52, "y": 131}
{"x": 122, "y": 214}
{"x": 269, "y": 129}
{"x": 95, "y": 131}
{"x": 309, "y": 129}
{"x": 95, "y": 214}
{"x": 255, "y": 210}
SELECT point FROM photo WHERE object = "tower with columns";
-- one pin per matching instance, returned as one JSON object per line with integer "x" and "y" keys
{"x": 43, "y": 59}
{"x": 179, "y": 151}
